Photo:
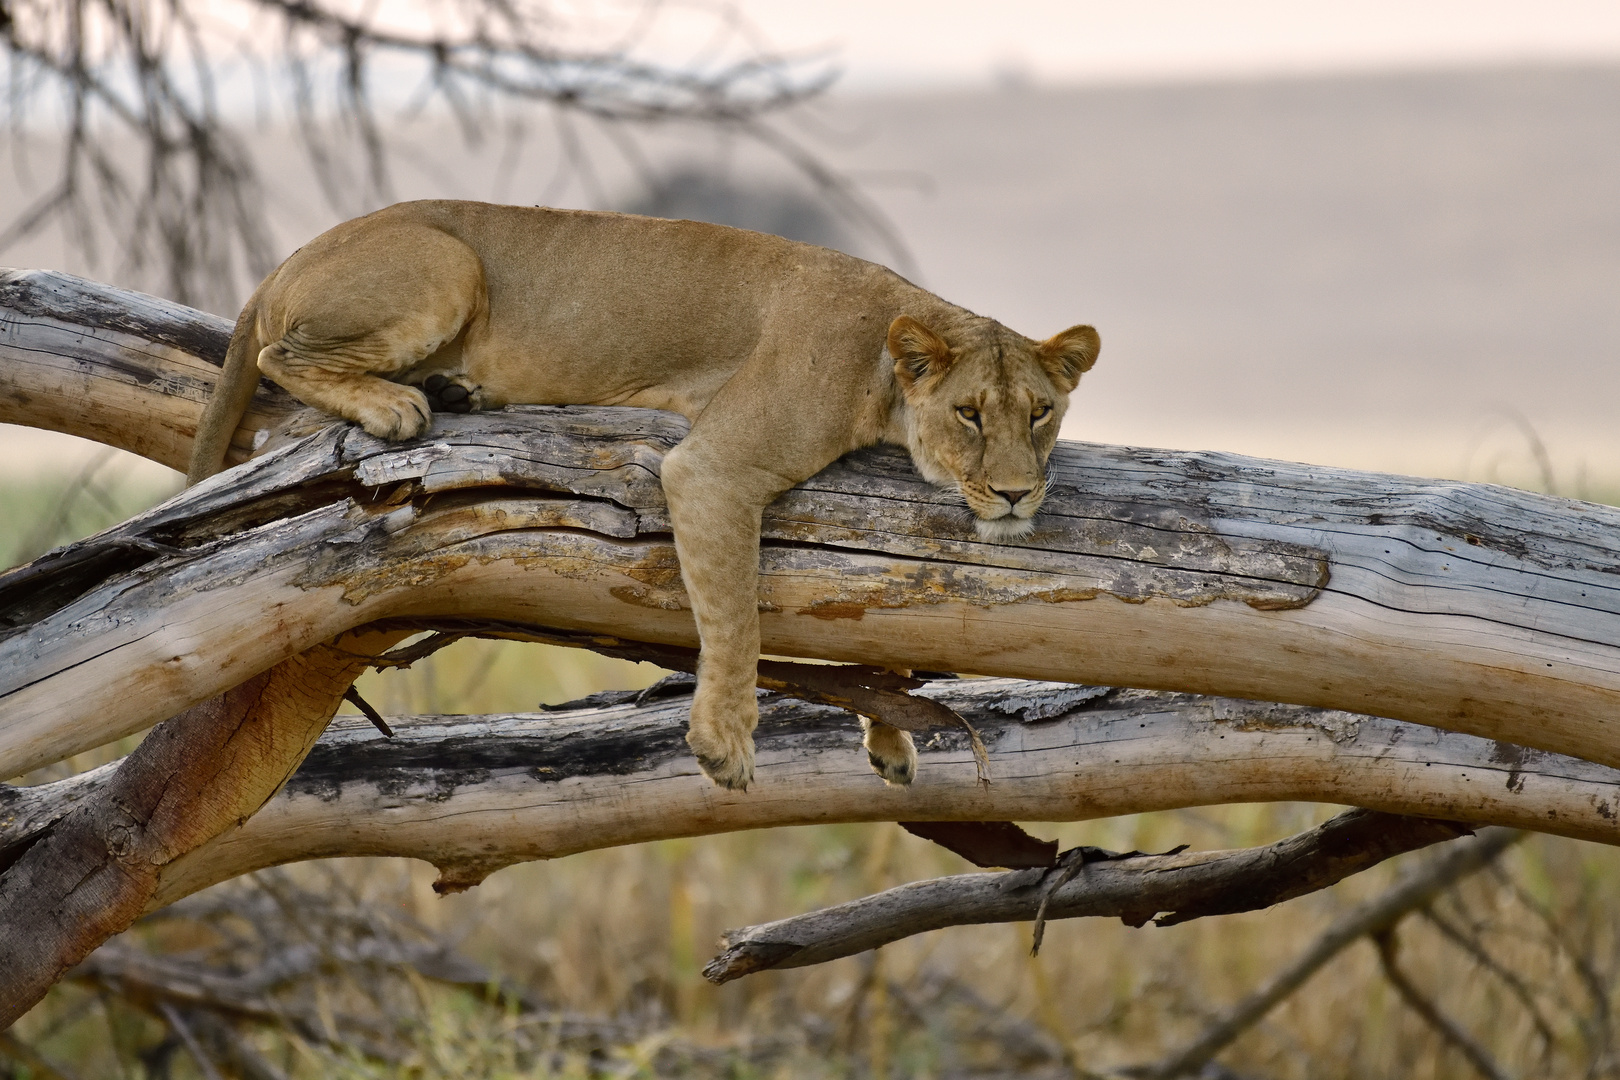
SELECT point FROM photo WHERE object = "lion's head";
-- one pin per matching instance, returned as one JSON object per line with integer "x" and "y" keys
{"x": 984, "y": 410}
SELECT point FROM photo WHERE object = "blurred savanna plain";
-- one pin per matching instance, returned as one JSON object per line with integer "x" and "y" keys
{"x": 1413, "y": 272}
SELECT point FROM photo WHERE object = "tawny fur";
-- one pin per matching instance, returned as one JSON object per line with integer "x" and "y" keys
{"x": 783, "y": 355}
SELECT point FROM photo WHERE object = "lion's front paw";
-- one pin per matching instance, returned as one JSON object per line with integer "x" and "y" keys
{"x": 392, "y": 411}
{"x": 892, "y": 753}
{"x": 729, "y": 762}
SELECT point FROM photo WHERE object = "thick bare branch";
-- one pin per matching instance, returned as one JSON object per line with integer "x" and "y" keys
{"x": 1467, "y": 606}
{"x": 473, "y": 793}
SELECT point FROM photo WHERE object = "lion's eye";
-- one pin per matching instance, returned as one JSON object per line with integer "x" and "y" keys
{"x": 1039, "y": 413}
{"x": 969, "y": 414}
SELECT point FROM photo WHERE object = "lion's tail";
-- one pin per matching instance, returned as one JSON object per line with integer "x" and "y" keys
{"x": 238, "y": 379}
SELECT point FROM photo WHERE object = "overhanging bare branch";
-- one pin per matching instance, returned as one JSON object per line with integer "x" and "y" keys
{"x": 471, "y": 794}
{"x": 187, "y": 205}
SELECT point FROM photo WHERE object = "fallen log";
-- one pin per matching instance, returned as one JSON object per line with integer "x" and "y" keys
{"x": 471, "y": 794}
{"x": 1472, "y": 607}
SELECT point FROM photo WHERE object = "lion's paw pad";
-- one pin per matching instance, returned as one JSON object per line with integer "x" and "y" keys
{"x": 445, "y": 394}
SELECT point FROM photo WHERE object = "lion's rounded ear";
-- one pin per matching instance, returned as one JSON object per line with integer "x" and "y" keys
{"x": 918, "y": 352}
{"x": 1069, "y": 355}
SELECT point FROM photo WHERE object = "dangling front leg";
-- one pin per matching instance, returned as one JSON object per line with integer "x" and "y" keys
{"x": 715, "y": 505}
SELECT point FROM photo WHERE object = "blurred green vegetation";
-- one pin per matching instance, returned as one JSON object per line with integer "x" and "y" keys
{"x": 594, "y": 961}
{"x": 42, "y": 511}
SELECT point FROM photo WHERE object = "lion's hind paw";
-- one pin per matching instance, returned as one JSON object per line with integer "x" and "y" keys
{"x": 891, "y": 752}
{"x": 445, "y": 394}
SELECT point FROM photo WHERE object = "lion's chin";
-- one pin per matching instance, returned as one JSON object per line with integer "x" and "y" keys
{"x": 1002, "y": 529}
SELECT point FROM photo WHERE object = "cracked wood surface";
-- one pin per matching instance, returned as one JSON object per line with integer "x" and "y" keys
{"x": 1472, "y": 607}
{"x": 471, "y": 794}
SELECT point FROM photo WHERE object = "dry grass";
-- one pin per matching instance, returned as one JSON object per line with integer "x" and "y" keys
{"x": 589, "y": 966}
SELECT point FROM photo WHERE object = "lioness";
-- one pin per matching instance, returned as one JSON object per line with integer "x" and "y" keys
{"x": 784, "y": 356}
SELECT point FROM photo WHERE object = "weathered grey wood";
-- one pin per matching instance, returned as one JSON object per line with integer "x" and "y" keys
{"x": 1473, "y": 607}
{"x": 473, "y": 793}
{"x": 115, "y": 366}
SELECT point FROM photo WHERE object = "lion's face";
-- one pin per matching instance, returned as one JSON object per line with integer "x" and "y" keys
{"x": 985, "y": 410}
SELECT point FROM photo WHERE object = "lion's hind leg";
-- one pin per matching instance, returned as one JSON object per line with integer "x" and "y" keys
{"x": 337, "y": 379}
{"x": 352, "y": 317}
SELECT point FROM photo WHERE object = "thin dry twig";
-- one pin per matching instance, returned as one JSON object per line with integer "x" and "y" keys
{"x": 1388, "y": 944}
{"x": 1470, "y": 944}
{"x": 189, "y": 205}
{"x": 1415, "y": 890}
{"x": 178, "y": 1025}
{"x": 1597, "y": 1026}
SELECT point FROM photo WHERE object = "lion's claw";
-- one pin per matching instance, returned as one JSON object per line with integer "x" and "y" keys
{"x": 729, "y": 767}
{"x": 394, "y": 412}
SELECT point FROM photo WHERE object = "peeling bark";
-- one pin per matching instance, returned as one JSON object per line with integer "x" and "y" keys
{"x": 210, "y": 768}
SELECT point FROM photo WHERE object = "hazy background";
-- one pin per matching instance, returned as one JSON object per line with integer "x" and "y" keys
{"x": 1385, "y": 239}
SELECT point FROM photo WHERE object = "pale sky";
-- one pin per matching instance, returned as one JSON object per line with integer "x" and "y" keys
{"x": 897, "y": 43}
{"x": 900, "y": 45}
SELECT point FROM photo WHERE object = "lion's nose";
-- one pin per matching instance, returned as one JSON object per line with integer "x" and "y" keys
{"x": 1011, "y": 496}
